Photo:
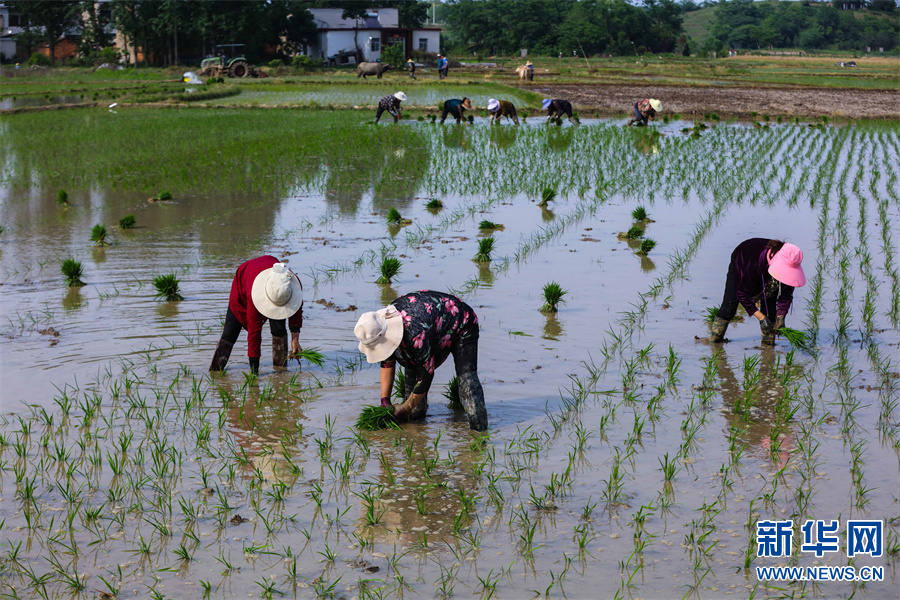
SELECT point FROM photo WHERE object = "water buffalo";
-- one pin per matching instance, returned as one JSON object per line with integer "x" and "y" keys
{"x": 372, "y": 68}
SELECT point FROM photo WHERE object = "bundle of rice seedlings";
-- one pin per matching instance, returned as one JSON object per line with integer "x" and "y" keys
{"x": 390, "y": 267}
{"x": 62, "y": 198}
{"x": 165, "y": 195}
{"x": 634, "y": 233}
{"x": 98, "y": 235}
{"x": 452, "y": 394}
{"x": 434, "y": 204}
{"x": 127, "y": 222}
{"x": 490, "y": 225}
{"x": 72, "y": 271}
{"x": 548, "y": 194}
{"x": 646, "y": 246}
{"x": 395, "y": 218}
{"x": 553, "y": 294}
{"x": 374, "y": 418}
{"x": 399, "y": 391}
{"x": 311, "y": 355}
{"x": 639, "y": 214}
{"x": 167, "y": 287}
{"x": 712, "y": 313}
{"x": 797, "y": 338}
{"x": 485, "y": 247}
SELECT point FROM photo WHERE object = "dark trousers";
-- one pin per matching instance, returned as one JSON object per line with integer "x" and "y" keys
{"x": 639, "y": 117}
{"x": 465, "y": 359}
{"x": 457, "y": 114}
{"x": 380, "y": 111}
{"x": 233, "y": 327}
{"x": 767, "y": 300}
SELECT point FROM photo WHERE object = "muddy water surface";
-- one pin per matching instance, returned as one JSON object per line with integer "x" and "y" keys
{"x": 123, "y": 459}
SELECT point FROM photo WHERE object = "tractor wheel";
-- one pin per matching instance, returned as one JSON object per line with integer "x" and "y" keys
{"x": 240, "y": 69}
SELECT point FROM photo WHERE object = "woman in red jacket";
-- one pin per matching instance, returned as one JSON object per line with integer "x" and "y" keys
{"x": 262, "y": 289}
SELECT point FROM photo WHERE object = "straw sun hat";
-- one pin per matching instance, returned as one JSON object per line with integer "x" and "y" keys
{"x": 379, "y": 333}
{"x": 276, "y": 292}
{"x": 656, "y": 104}
{"x": 785, "y": 266}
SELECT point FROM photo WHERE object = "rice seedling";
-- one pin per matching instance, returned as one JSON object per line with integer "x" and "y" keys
{"x": 390, "y": 268}
{"x": 485, "y": 247}
{"x": 127, "y": 222}
{"x": 548, "y": 194}
{"x": 553, "y": 295}
{"x": 647, "y": 245}
{"x": 395, "y": 218}
{"x": 798, "y": 338}
{"x": 165, "y": 195}
{"x": 98, "y": 235}
{"x": 451, "y": 393}
{"x": 73, "y": 272}
{"x": 62, "y": 198}
{"x": 639, "y": 214}
{"x": 434, "y": 204}
{"x": 374, "y": 418}
{"x": 633, "y": 233}
{"x": 167, "y": 287}
{"x": 712, "y": 312}
{"x": 311, "y": 355}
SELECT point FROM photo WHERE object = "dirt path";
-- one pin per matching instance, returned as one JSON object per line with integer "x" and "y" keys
{"x": 734, "y": 101}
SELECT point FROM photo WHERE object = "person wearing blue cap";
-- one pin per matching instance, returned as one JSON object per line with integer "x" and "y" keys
{"x": 557, "y": 108}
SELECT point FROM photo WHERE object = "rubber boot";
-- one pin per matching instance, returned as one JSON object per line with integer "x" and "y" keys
{"x": 279, "y": 351}
{"x": 220, "y": 358}
{"x": 768, "y": 338}
{"x": 717, "y": 333}
{"x": 420, "y": 411}
{"x": 471, "y": 394}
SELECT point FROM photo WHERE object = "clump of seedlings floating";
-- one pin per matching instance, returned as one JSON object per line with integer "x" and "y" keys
{"x": 553, "y": 295}
{"x": 390, "y": 268}
{"x": 486, "y": 225}
{"x": 167, "y": 288}
{"x": 127, "y": 222}
{"x": 73, "y": 271}
{"x": 434, "y": 205}
{"x": 640, "y": 214}
{"x": 485, "y": 247}
{"x": 164, "y": 196}
{"x": 548, "y": 194}
{"x": 396, "y": 219}
{"x": 647, "y": 245}
{"x": 634, "y": 233}
{"x": 374, "y": 418}
{"x": 98, "y": 235}
{"x": 62, "y": 198}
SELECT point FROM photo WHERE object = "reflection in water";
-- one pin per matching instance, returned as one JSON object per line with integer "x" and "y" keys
{"x": 388, "y": 295}
{"x": 167, "y": 309}
{"x": 553, "y": 329}
{"x": 560, "y": 139}
{"x": 456, "y": 137}
{"x": 98, "y": 254}
{"x": 503, "y": 138}
{"x": 547, "y": 215}
{"x": 646, "y": 141}
{"x": 485, "y": 274}
{"x": 73, "y": 299}
{"x": 647, "y": 264}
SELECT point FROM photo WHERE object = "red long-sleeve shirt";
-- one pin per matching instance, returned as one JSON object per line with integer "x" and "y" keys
{"x": 241, "y": 303}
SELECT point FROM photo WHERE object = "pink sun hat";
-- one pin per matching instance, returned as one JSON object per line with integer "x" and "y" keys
{"x": 785, "y": 266}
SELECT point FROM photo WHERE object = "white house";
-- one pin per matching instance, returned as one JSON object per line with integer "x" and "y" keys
{"x": 338, "y": 37}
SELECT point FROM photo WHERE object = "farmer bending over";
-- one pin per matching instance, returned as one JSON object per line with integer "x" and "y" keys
{"x": 557, "y": 108}
{"x": 262, "y": 289}
{"x": 390, "y": 104}
{"x": 457, "y": 108}
{"x": 500, "y": 109}
{"x": 761, "y": 277}
{"x": 645, "y": 110}
{"x": 419, "y": 331}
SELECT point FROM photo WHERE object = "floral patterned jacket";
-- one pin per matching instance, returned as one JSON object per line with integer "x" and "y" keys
{"x": 433, "y": 324}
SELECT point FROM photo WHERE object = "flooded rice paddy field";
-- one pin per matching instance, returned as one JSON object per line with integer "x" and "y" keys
{"x": 622, "y": 452}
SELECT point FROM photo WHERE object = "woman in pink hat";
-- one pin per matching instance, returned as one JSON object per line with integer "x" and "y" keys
{"x": 761, "y": 278}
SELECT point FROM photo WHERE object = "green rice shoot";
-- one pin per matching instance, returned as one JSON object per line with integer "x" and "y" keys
{"x": 553, "y": 295}
{"x": 374, "y": 418}
{"x": 548, "y": 194}
{"x": 712, "y": 313}
{"x": 451, "y": 393}
{"x": 395, "y": 218}
{"x": 98, "y": 235}
{"x": 73, "y": 271}
{"x": 485, "y": 247}
{"x": 490, "y": 225}
{"x": 127, "y": 222}
{"x": 434, "y": 204}
{"x": 311, "y": 355}
{"x": 165, "y": 195}
{"x": 639, "y": 214}
{"x": 647, "y": 245}
{"x": 167, "y": 288}
{"x": 390, "y": 268}
{"x": 399, "y": 391}
{"x": 635, "y": 233}
{"x": 62, "y": 198}
{"x": 798, "y": 338}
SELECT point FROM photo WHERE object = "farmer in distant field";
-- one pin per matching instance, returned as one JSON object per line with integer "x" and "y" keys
{"x": 412, "y": 68}
{"x": 457, "y": 108}
{"x": 262, "y": 289}
{"x": 391, "y": 104}
{"x": 419, "y": 331}
{"x": 443, "y": 66}
{"x": 557, "y": 108}
{"x": 761, "y": 277}
{"x": 645, "y": 110}
{"x": 500, "y": 109}
{"x": 529, "y": 74}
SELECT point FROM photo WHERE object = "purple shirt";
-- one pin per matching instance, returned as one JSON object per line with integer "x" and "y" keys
{"x": 750, "y": 265}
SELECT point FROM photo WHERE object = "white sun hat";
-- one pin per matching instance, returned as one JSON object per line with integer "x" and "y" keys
{"x": 400, "y": 96}
{"x": 656, "y": 104}
{"x": 379, "y": 333}
{"x": 276, "y": 292}
{"x": 493, "y": 104}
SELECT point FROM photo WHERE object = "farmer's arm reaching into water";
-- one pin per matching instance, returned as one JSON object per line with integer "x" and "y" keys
{"x": 387, "y": 378}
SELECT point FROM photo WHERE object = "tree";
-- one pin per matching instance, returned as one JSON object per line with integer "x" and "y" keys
{"x": 54, "y": 17}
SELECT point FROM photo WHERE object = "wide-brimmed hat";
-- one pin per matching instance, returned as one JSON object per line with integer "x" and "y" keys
{"x": 379, "y": 333}
{"x": 493, "y": 104}
{"x": 409, "y": 60}
{"x": 546, "y": 103}
{"x": 400, "y": 96}
{"x": 276, "y": 292}
{"x": 656, "y": 104}
{"x": 528, "y": 64}
{"x": 785, "y": 266}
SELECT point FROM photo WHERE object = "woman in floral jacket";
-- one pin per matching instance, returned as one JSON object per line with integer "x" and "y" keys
{"x": 419, "y": 331}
